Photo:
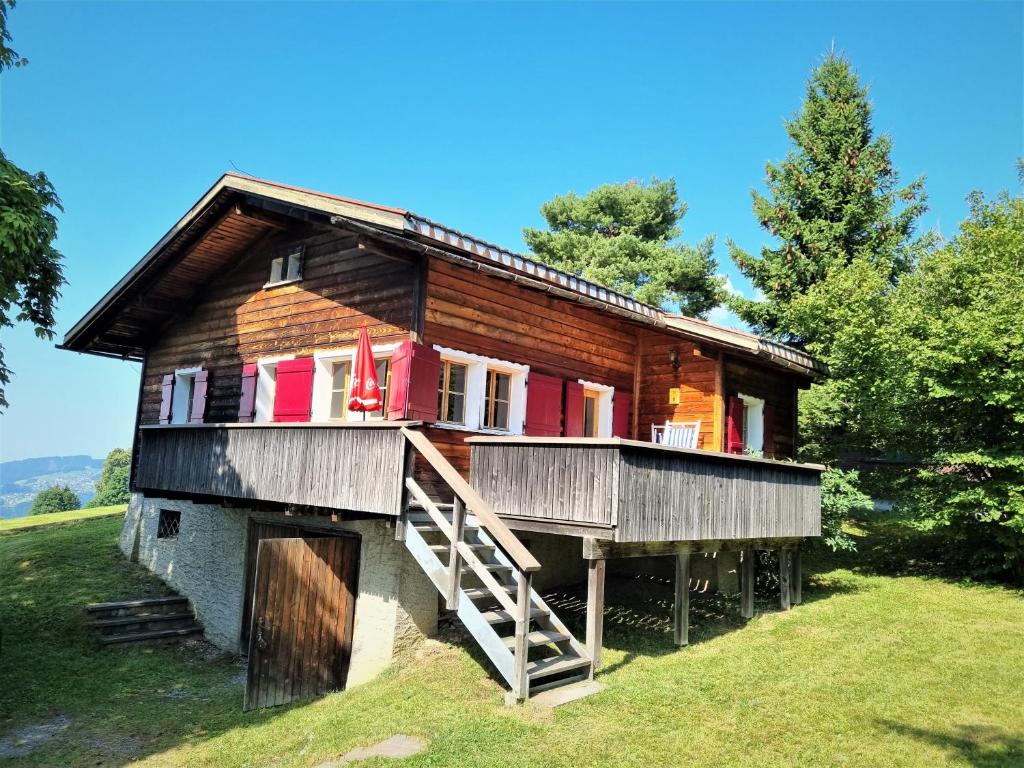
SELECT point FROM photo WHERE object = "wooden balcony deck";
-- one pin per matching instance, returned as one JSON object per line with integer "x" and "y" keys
{"x": 629, "y": 491}
{"x": 355, "y": 466}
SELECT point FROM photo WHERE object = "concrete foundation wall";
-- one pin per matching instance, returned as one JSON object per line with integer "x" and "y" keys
{"x": 396, "y": 604}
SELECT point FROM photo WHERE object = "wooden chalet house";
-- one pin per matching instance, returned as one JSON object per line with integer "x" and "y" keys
{"x": 516, "y": 450}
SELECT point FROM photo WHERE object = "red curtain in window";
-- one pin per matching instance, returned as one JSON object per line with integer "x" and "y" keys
{"x": 734, "y": 426}
{"x": 294, "y": 390}
{"x": 543, "y": 405}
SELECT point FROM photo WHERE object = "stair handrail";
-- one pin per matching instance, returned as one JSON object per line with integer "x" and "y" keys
{"x": 499, "y": 532}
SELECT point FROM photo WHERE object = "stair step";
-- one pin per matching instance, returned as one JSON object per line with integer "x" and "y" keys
{"x": 502, "y": 616}
{"x": 540, "y": 637}
{"x": 479, "y": 593}
{"x": 145, "y": 602}
{"x": 555, "y": 665}
{"x": 441, "y": 505}
{"x": 145, "y": 618}
{"x": 159, "y": 634}
{"x": 444, "y": 549}
{"x": 492, "y": 567}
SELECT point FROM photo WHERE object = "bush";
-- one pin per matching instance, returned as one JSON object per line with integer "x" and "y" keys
{"x": 841, "y": 500}
{"x": 112, "y": 487}
{"x": 57, "y": 498}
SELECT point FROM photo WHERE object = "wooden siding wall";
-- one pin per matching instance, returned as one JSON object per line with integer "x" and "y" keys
{"x": 775, "y": 388}
{"x": 238, "y": 321}
{"x": 695, "y": 379}
{"x": 356, "y": 468}
{"x": 484, "y": 315}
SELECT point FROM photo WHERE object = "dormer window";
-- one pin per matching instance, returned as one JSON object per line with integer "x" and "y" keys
{"x": 286, "y": 268}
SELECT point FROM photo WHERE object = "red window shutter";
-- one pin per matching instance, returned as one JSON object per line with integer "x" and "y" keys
{"x": 247, "y": 402}
{"x": 734, "y": 426}
{"x": 543, "y": 405}
{"x": 415, "y": 370}
{"x": 769, "y": 430}
{"x": 165, "y": 398}
{"x": 199, "y": 398}
{"x": 573, "y": 409}
{"x": 622, "y": 414}
{"x": 294, "y": 390}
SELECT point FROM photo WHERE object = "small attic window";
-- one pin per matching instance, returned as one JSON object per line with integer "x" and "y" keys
{"x": 286, "y": 268}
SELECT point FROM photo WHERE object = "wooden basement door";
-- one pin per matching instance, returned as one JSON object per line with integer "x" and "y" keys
{"x": 303, "y": 610}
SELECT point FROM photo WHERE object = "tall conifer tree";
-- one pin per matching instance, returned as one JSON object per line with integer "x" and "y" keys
{"x": 834, "y": 200}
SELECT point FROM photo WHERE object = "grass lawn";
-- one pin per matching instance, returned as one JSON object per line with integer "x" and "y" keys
{"x": 872, "y": 670}
{"x": 31, "y": 521}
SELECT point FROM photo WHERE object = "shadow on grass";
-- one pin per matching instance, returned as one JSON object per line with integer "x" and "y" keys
{"x": 978, "y": 745}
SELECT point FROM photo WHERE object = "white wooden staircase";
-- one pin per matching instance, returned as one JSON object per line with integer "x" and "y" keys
{"x": 485, "y": 573}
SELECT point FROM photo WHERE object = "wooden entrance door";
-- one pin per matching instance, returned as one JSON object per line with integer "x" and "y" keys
{"x": 303, "y": 609}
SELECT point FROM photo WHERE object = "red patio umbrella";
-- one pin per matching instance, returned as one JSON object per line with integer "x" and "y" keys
{"x": 364, "y": 395}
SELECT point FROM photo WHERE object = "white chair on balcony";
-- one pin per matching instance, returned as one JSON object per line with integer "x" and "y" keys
{"x": 678, "y": 434}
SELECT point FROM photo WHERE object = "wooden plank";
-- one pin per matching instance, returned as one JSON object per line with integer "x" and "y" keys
{"x": 796, "y": 593}
{"x": 747, "y": 576}
{"x": 785, "y": 578}
{"x": 521, "y": 688}
{"x": 595, "y": 611}
{"x": 681, "y": 604}
{"x": 454, "y": 558}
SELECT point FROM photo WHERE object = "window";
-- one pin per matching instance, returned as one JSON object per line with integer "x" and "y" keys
{"x": 340, "y": 375}
{"x": 451, "y": 393}
{"x": 169, "y": 524}
{"x": 753, "y": 424}
{"x": 590, "y": 412}
{"x": 266, "y": 386}
{"x": 332, "y": 381}
{"x": 286, "y": 268}
{"x": 497, "y": 396}
{"x": 184, "y": 394}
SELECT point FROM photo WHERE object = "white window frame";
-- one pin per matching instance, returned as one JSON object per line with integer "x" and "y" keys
{"x": 180, "y": 397}
{"x": 476, "y": 384}
{"x": 753, "y": 423}
{"x": 605, "y": 394}
{"x": 266, "y": 386}
{"x": 323, "y": 361}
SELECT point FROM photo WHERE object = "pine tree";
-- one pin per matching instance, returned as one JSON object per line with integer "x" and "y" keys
{"x": 835, "y": 199}
{"x": 623, "y": 237}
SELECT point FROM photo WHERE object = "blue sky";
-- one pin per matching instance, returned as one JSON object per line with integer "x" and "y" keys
{"x": 469, "y": 114}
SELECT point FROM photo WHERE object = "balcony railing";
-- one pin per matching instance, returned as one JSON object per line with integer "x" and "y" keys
{"x": 355, "y": 466}
{"x": 631, "y": 491}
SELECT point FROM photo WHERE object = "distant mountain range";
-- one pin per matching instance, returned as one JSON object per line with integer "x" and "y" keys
{"x": 21, "y": 480}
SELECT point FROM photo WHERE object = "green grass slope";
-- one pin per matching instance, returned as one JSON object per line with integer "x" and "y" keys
{"x": 872, "y": 670}
{"x": 32, "y": 521}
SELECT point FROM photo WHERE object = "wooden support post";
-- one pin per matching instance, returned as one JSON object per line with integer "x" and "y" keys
{"x": 681, "y": 605}
{"x": 595, "y": 611}
{"x": 796, "y": 591}
{"x": 747, "y": 584}
{"x": 454, "y": 558}
{"x": 403, "y": 513}
{"x": 521, "y": 690}
{"x": 785, "y": 580}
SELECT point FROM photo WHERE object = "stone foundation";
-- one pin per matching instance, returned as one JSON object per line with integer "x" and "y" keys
{"x": 396, "y": 605}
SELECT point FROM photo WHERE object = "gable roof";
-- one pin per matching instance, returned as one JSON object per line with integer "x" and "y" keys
{"x": 238, "y": 210}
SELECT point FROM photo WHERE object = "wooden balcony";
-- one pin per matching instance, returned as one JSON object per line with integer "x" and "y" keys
{"x": 629, "y": 491}
{"x": 357, "y": 466}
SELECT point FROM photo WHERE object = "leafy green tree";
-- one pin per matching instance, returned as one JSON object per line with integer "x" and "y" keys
{"x": 624, "y": 236}
{"x": 57, "y": 498}
{"x": 835, "y": 199}
{"x": 30, "y": 267}
{"x": 112, "y": 487}
{"x": 841, "y": 500}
